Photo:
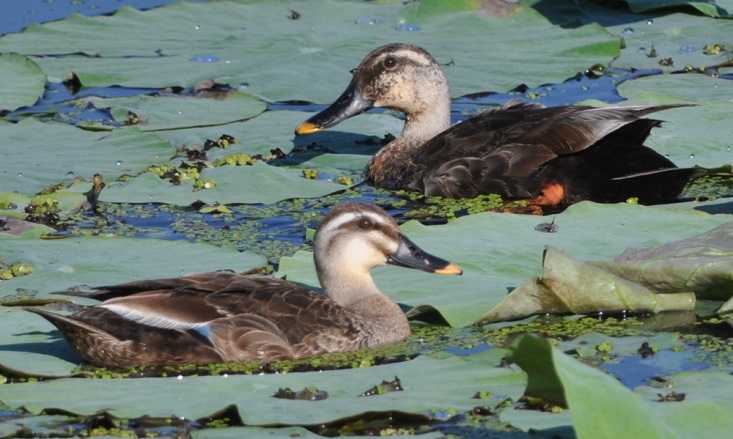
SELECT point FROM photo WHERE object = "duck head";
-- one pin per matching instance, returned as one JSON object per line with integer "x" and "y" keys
{"x": 397, "y": 76}
{"x": 356, "y": 237}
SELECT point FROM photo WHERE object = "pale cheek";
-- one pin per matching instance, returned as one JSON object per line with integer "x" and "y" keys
{"x": 361, "y": 255}
{"x": 390, "y": 92}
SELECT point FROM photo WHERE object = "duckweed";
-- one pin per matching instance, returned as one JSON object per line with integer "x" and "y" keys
{"x": 483, "y": 394}
{"x": 712, "y": 184}
{"x": 205, "y": 183}
{"x": 425, "y": 339}
{"x": 8, "y": 272}
{"x": 713, "y": 49}
{"x": 7, "y": 205}
{"x": 43, "y": 210}
{"x": 237, "y": 159}
{"x": 604, "y": 347}
{"x": 451, "y": 208}
{"x": 345, "y": 180}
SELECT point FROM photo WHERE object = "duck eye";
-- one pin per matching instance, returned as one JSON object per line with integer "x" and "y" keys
{"x": 390, "y": 62}
{"x": 365, "y": 224}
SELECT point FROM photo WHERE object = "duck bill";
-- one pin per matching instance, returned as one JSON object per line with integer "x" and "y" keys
{"x": 411, "y": 256}
{"x": 350, "y": 103}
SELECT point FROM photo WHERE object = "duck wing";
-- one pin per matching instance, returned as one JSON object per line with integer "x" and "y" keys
{"x": 296, "y": 323}
{"x": 206, "y": 318}
{"x": 104, "y": 338}
{"x": 205, "y": 281}
{"x": 502, "y": 151}
{"x": 291, "y": 312}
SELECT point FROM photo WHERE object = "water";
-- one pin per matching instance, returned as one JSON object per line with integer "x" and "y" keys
{"x": 634, "y": 371}
{"x": 408, "y": 27}
{"x": 205, "y": 58}
{"x": 370, "y": 20}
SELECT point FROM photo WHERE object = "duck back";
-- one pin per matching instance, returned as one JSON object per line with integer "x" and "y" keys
{"x": 595, "y": 154}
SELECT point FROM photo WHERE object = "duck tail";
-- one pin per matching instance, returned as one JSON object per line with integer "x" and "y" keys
{"x": 83, "y": 337}
{"x": 656, "y": 187}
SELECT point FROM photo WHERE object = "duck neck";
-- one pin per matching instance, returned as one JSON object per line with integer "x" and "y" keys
{"x": 421, "y": 127}
{"x": 378, "y": 319}
{"x": 391, "y": 166}
{"x": 348, "y": 289}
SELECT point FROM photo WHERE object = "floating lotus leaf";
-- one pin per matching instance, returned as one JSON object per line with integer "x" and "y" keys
{"x": 23, "y": 81}
{"x": 703, "y": 264}
{"x": 46, "y": 153}
{"x": 259, "y": 183}
{"x": 64, "y": 263}
{"x": 282, "y": 59}
{"x": 719, "y": 8}
{"x": 170, "y": 112}
{"x": 459, "y": 381}
{"x": 601, "y": 407}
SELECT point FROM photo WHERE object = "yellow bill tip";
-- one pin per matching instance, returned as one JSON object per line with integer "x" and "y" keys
{"x": 307, "y": 128}
{"x": 451, "y": 268}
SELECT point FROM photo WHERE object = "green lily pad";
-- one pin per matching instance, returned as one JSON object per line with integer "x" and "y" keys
{"x": 699, "y": 135}
{"x": 47, "y": 153}
{"x": 63, "y": 263}
{"x": 719, "y": 8}
{"x": 259, "y": 183}
{"x": 14, "y": 225}
{"x": 461, "y": 379}
{"x": 174, "y": 112}
{"x": 703, "y": 264}
{"x": 43, "y": 425}
{"x": 23, "y": 81}
{"x": 241, "y": 45}
{"x": 639, "y": 280}
{"x": 602, "y": 407}
{"x": 679, "y": 37}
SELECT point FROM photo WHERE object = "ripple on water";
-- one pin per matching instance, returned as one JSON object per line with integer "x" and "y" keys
{"x": 370, "y": 20}
{"x": 408, "y": 27}
{"x": 205, "y": 58}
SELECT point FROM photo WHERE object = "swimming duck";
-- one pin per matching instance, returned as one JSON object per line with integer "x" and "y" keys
{"x": 226, "y": 317}
{"x": 549, "y": 156}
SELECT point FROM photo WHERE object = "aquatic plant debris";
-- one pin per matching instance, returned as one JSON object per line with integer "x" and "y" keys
{"x": 658, "y": 279}
{"x": 385, "y": 387}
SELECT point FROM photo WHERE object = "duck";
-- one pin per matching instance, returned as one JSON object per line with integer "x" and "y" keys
{"x": 553, "y": 156}
{"x": 220, "y": 317}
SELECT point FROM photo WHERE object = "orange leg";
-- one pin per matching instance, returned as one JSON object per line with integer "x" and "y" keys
{"x": 552, "y": 195}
